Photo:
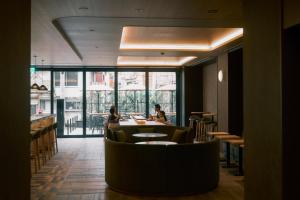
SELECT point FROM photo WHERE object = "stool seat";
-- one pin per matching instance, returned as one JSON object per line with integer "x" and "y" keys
{"x": 223, "y": 137}
{"x": 217, "y": 133}
{"x": 235, "y": 141}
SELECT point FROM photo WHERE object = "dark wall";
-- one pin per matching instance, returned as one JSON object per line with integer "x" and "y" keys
{"x": 235, "y": 92}
{"x": 14, "y": 100}
{"x": 193, "y": 90}
{"x": 291, "y": 110}
{"x": 262, "y": 99}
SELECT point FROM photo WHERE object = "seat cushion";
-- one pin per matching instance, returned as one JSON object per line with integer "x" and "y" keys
{"x": 179, "y": 136}
{"x": 122, "y": 136}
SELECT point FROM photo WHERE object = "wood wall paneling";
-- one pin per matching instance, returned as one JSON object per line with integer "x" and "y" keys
{"x": 262, "y": 99}
{"x": 291, "y": 110}
{"x": 193, "y": 90}
{"x": 210, "y": 90}
{"x": 223, "y": 93}
{"x": 235, "y": 92}
{"x": 14, "y": 101}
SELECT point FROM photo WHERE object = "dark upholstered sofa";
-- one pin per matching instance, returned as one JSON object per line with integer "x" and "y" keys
{"x": 186, "y": 168}
{"x": 169, "y": 130}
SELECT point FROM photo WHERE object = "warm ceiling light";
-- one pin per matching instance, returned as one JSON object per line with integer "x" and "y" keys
{"x": 183, "y": 47}
{"x": 179, "y": 47}
{"x": 227, "y": 38}
{"x": 153, "y": 61}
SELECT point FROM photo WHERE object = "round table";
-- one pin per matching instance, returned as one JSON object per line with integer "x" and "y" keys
{"x": 150, "y": 136}
{"x": 157, "y": 142}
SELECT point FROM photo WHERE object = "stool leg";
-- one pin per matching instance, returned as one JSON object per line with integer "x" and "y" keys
{"x": 241, "y": 171}
{"x": 56, "y": 141}
{"x": 37, "y": 153}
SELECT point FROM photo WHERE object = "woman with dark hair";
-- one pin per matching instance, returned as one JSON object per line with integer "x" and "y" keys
{"x": 113, "y": 118}
{"x": 160, "y": 115}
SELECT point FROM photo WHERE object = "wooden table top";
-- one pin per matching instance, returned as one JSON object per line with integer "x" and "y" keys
{"x": 217, "y": 133}
{"x": 150, "y": 135}
{"x": 132, "y": 122}
{"x": 157, "y": 142}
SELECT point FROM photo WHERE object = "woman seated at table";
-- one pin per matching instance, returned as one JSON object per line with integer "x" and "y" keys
{"x": 113, "y": 118}
{"x": 160, "y": 115}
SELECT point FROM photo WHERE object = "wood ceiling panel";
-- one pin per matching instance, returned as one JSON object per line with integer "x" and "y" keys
{"x": 107, "y": 18}
{"x": 174, "y": 35}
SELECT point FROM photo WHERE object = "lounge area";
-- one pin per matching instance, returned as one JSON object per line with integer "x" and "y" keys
{"x": 123, "y": 99}
{"x": 152, "y": 169}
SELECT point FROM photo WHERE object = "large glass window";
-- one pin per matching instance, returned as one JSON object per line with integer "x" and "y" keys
{"x": 68, "y": 101}
{"x": 100, "y": 96}
{"x": 162, "y": 90}
{"x": 71, "y": 79}
{"x": 40, "y": 100}
{"x": 131, "y": 93}
{"x": 56, "y": 79}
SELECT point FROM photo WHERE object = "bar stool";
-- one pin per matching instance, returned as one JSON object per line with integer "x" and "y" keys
{"x": 204, "y": 126}
{"x": 43, "y": 144}
{"x": 34, "y": 149}
{"x": 53, "y": 137}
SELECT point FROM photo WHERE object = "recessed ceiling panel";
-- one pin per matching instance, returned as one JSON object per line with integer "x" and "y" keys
{"x": 177, "y": 38}
{"x": 153, "y": 61}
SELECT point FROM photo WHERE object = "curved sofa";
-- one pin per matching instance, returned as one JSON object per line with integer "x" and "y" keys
{"x": 162, "y": 169}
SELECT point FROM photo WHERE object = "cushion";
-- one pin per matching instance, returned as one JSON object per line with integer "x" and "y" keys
{"x": 122, "y": 136}
{"x": 146, "y": 130}
{"x": 111, "y": 135}
{"x": 179, "y": 136}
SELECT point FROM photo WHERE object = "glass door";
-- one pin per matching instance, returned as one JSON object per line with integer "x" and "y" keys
{"x": 100, "y": 96}
{"x": 68, "y": 90}
{"x": 162, "y": 91}
{"x": 131, "y": 93}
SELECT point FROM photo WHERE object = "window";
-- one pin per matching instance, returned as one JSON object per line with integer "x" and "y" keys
{"x": 57, "y": 79}
{"x": 131, "y": 93}
{"x": 43, "y": 104}
{"x": 162, "y": 90}
{"x": 73, "y": 105}
{"x": 32, "y": 109}
{"x": 71, "y": 78}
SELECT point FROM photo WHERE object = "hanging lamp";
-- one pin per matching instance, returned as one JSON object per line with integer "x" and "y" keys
{"x": 43, "y": 87}
{"x": 35, "y": 86}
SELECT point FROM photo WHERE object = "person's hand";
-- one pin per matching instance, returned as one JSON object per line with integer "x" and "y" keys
{"x": 150, "y": 118}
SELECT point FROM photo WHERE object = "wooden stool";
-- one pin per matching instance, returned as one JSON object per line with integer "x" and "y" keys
{"x": 53, "y": 138}
{"x": 34, "y": 149}
{"x": 225, "y": 138}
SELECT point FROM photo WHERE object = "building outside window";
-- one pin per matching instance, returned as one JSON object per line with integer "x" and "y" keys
{"x": 132, "y": 93}
{"x": 162, "y": 90}
{"x": 71, "y": 78}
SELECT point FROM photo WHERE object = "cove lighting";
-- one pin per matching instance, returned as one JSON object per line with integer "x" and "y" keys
{"x": 181, "y": 46}
{"x": 153, "y": 61}
{"x": 227, "y": 38}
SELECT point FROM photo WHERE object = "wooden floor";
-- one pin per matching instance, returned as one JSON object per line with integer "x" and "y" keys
{"x": 77, "y": 172}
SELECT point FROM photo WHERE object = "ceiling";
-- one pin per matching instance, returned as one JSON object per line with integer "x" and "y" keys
{"x": 89, "y": 32}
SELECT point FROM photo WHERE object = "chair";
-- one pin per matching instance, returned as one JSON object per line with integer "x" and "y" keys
{"x": 98, "y": 123}
{"x": 52, "y": 136}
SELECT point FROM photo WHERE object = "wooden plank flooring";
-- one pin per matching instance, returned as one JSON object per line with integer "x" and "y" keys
{"x": 77, "y": 172}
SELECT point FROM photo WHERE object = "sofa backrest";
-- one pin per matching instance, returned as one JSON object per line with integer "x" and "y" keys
{"x": 169, "y": 130}
{"x": 162, "y": 169}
